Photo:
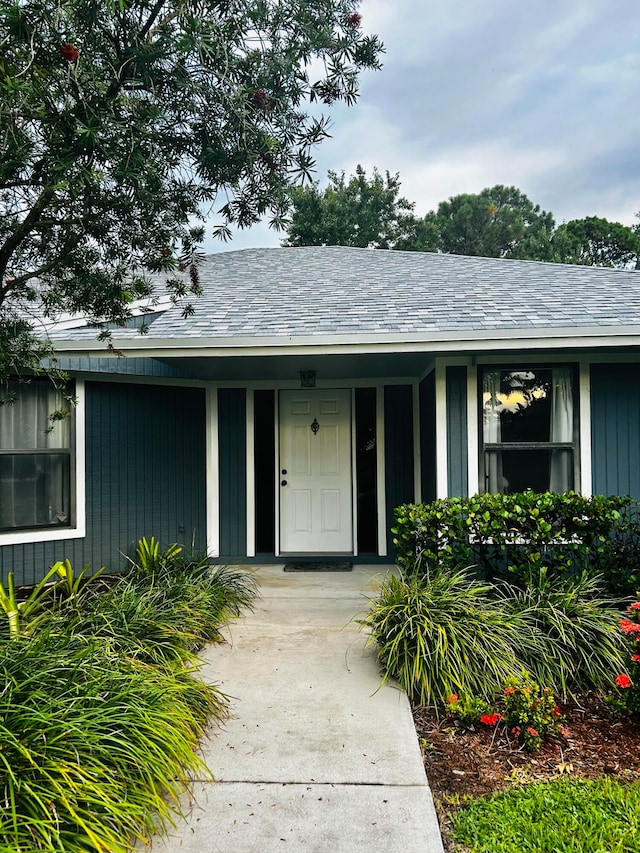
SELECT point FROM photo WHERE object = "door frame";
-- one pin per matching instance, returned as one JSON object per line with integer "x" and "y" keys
{"x": 276, "y": 387}
{"x": 353, "y": 478}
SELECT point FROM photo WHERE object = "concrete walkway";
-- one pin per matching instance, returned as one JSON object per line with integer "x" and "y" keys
{"x": 317, "y": 757}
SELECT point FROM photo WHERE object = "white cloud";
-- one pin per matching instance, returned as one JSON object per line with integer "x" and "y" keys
{"x": 543, "y": 96}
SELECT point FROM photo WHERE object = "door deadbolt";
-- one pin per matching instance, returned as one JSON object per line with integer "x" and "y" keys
{"x": 284, "y": 470}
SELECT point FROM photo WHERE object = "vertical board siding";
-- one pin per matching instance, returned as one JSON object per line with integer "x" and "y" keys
{"x": 428, "y": 437}
{"x": 398, "y": 435}
{"x": 127, "y": 366}
{"x": 145, "y": 471}
{"x": 457, "y": 453}
{"x": 232, "y": 438}
{"x": 615, "y": 429}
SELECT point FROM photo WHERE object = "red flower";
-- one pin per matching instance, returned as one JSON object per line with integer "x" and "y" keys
{"x": 354, "y": 20}
{"x": 636, "y": 658}
{"x": 490, "y": 719}
{"x": 629, "y": 627}
{"x": 634, "y": 606}
{"x": 69, "y": 52}
{"x": 260, "y": 100}
{"x": 509, "y": 690}
{"x": 515, "y": 731}
{"x": 556, "y": 711}
{"x": 623, "y": 681}
{"x": 452, "y": 698}
{"x": 531, "y": 731}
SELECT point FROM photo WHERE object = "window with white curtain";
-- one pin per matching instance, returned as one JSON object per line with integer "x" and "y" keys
{"x": 528, "y": 430}
{"x": 35, "y": 459}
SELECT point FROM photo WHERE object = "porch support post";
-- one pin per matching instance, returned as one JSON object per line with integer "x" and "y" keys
{"x": 212, "y": 473}
{"x": 380, "y": 461}
{"x": 586, "y": 480}
{"x": 250, "y": 476}
{"x": 417, "y": 457}
{"x": 472, "y": 431}
{"x": 442, "y": 468}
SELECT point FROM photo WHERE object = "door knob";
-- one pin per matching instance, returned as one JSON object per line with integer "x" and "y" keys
{"x": 284, "y": 470}
{"x": 283, "y": 482}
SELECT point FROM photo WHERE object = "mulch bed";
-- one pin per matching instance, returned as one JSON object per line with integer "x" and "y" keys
{"x": 461, "y": 764}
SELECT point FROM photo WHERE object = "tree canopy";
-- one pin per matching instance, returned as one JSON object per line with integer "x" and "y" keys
{"x": 498, "y": 222}
{"x": 125, "y": 123}
{"x": 596, "y": 242}
{"x": 361, "y": 212}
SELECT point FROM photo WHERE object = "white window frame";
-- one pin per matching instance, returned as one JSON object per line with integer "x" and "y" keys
{"x": 78, "y": 527}
{"x": 578, "y": 413}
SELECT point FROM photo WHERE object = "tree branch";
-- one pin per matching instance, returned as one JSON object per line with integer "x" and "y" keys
{"x": 22, "y": 232}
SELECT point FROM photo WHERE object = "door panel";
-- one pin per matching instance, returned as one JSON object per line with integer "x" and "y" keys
{"x": 315, "y": 492}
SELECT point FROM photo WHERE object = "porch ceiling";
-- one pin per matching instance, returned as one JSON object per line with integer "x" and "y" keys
{"x": 286, "y": 368}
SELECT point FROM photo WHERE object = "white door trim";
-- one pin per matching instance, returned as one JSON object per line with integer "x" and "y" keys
{"x": 319, "y": 499}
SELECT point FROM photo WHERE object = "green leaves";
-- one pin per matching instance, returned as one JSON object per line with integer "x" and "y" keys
{"x": 505, "y": 535}
{"x": 442, "y": 633}
{"x": 101, "y": 708}
{"x": 109, "y": 156}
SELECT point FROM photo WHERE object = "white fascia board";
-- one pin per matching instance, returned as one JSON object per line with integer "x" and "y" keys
{"x": 433, "y": 342}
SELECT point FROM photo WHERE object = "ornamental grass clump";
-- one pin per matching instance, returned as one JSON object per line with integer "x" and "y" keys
{"x": 96, "y": 747}
{"x": 102, "y": 707}
{"x": 575, "y": 642}
{"x": 440, "y": 632}
{"x": 167, "y": 609}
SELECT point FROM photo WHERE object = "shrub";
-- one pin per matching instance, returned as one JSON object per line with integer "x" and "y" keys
{"x": 467, "y": 710}
{"x": 530, "y": 712}
{"x": 441, "y": 632}
{"x": 505, "y": 534}
{"x": 101, "y": 708}
{"x": 168, "y": 612}
{"x": 96, "y": 748}
{"x": 619, "y": 561}
{"x": 526, "y": 711}
{"x": 576, "y": 644}
{"x": 626, "y": 696}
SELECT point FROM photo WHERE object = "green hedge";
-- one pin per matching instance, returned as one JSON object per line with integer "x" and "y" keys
{"x": 507, "y": 535}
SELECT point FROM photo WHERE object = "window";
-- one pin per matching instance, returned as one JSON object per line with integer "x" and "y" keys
{"x": 528, "y": 430}
{"x": 35, "y": 460}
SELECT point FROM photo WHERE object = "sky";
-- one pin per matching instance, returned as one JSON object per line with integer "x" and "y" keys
{"x": 544, "y": 96}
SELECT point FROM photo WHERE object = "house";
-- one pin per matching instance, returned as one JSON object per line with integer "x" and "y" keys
{"x": 314, "y": 390}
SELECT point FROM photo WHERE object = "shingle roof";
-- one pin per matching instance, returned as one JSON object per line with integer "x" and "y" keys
{"x": 336, "y": 291}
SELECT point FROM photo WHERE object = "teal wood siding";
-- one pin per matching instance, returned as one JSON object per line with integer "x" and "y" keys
{"x": 232, "y": 408}
{"x": 457, "y": 455}
{"x": 398, "y": 444}
{"x": 122, "y": 366}
{"x": 615, "y": 429}
{"x": 145, "y": 476}
{"x": 428, "y": 437}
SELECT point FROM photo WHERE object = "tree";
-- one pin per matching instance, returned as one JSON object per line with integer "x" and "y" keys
{"x": 362, "y": 212}
{"x": 596, "y": 242}
{"x": 499, "y": 222}
{"x": 124, "y": 122}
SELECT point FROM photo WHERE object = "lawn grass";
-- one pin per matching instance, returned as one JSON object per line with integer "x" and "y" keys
{"x": 561, "y": 816}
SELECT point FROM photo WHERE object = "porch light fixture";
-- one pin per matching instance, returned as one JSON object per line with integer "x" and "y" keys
{"x": 307, "y": 378}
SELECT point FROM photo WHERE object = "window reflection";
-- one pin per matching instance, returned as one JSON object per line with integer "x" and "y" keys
{"x": 528, "y": 431}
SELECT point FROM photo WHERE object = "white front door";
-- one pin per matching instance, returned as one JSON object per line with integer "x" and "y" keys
{"x": 315, "y": 472}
